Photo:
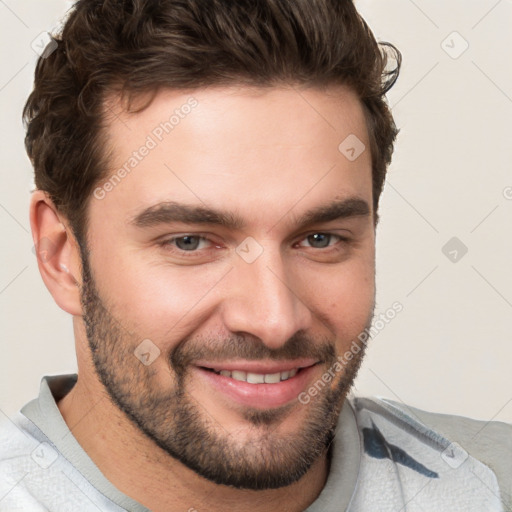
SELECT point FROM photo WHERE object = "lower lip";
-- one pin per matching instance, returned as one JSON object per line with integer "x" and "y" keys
{"x": 260, "y": 396}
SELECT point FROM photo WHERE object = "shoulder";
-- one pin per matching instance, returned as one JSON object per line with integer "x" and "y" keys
{"x": 489, "y": 442}
{"x": 18, "y": 462}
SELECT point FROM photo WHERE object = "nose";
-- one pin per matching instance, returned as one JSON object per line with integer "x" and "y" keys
{"x": 260, "y": 300}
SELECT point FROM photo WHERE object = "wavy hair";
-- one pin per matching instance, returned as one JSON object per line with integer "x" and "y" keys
{"x": 136, "y": 47}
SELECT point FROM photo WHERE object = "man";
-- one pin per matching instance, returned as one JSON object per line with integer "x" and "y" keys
{"x": 208, "y": 177}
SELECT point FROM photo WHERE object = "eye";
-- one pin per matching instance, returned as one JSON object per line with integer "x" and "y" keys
{"x": 188, "y": 243}
{"x": 191, "y": 248}
{"x": 320, "y": 240}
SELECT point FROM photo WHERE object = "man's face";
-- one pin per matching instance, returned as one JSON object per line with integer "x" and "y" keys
{"x": 238, "y": 248}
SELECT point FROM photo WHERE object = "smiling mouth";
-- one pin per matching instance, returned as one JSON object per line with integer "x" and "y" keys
{"x": 258, "y": 384}
{"x": 257, "y": 378}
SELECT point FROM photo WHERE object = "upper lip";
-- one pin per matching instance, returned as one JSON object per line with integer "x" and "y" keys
{"x": 262, "y": 367}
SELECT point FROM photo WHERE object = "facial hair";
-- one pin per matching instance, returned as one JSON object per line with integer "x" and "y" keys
{"x": 180, "y": 426}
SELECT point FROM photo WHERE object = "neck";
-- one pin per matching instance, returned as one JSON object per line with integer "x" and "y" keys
{"x": 142, "y": 470}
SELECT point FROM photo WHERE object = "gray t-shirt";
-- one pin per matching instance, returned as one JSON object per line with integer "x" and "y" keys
{"x": 385, "y": 457}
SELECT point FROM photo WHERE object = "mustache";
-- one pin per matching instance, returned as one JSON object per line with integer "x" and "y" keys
{"x": 249, "y": 347}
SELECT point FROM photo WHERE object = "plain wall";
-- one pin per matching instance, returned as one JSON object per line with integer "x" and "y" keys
{"x": 450, "y": 349}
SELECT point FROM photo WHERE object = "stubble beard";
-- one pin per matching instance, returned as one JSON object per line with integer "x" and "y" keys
{"x": 178, "y": 424}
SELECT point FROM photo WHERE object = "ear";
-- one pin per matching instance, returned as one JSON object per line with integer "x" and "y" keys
{"x": 58, "y": 254}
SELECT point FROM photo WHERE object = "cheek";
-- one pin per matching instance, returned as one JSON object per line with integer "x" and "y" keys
{"x": 343, "y": 297}
{"x": 166, "y": 303}
{"x": 156, "y": 300}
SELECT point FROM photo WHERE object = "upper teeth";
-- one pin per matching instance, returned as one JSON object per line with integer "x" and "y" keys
{"x": 259, "y": 378}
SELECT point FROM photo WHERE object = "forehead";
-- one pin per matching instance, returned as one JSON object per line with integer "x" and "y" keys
{"x": 262, "y": 151}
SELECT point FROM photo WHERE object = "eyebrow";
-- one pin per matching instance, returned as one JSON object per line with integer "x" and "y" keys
{"x": 169, "y": 212}
{"x": 347, "y": 208}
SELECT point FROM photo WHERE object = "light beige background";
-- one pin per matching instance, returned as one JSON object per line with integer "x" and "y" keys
{"x": 450, "y": 349}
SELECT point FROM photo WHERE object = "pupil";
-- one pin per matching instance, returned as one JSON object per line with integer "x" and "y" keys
{"x": 187, "y": 243}
{"x": 319, "y": 240}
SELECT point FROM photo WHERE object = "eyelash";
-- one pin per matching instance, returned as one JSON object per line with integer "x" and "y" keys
{"x": 167, "y": 243}
{"x": 333, "y": 235}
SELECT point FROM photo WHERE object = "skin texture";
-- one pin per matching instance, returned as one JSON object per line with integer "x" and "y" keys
{"x": 267, "y": 157}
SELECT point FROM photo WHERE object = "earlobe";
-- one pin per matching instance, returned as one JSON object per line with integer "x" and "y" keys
{"x": 58, "y": 255}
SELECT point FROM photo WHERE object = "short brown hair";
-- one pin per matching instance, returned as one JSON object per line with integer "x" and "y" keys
{"x": 140, "y": 46}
